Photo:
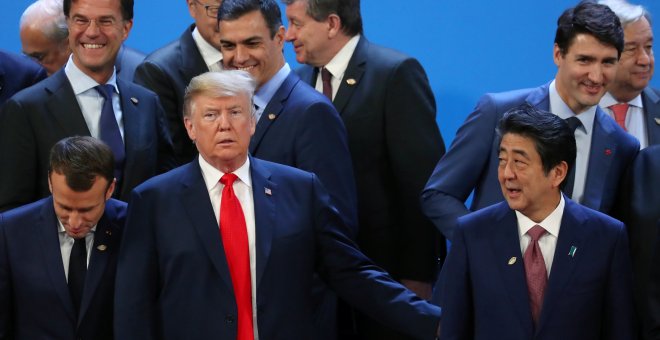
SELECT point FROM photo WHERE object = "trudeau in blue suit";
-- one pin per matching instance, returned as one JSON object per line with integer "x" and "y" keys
{"x": 35, "y": 246}
{"x": 471, "y": 162}
{"x": 173, "y": 278}
{"x": 487, "y": 288}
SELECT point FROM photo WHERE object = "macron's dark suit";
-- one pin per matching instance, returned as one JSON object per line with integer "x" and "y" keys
{"x": 651, "y": 102}
{"x": 16, "y": 73}
{"x": 471, "y": 162}
{"x": 588, "y": 296}
{"x": 173, "y": 281}
{"x": 34, "y": 297}
{"x": 35, "y": 119}
{"x": 127, "y": 61}
{"x": 300, "y": 128}
{"x": 389, "y": 114}
{"x": 167, "y": 72}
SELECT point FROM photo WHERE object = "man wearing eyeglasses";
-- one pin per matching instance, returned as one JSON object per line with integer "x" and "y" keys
{"x": 168, "y": 70}
{"x": 84, "y": 98}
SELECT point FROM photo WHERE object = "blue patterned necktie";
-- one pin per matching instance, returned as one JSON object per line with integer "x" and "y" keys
{"x": 109, "y": 130}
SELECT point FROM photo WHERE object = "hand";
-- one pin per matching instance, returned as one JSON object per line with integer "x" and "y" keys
{"x": 421, "y": 288}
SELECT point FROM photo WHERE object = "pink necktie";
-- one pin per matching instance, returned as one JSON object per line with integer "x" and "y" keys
{"x": 620, "y": 110}
{"x": 235, "y": 242}
{"x": 535, "y": 271}
{"x": 327, "y": 85}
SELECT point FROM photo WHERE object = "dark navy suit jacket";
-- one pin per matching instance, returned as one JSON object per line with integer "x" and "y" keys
{"x": 16, "y": 73}
{"x": 173, "y": 281}
{"x": 588, "y": 296}
{"x": 471, "y": 162}
{"x": 127, "y": 61}
{"x": 651, "y": 102}
{"x": 34, "y": 297}
{"x": 35, "y": 119}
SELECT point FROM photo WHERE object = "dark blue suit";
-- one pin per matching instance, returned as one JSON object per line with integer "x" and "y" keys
{"x": 588, "y": 295}
{"x": 173, "y": 281}
{"x": 16, "y": 73}
{"x": 471, "y": 162}
{"x": 37, "y": 118}
{"x": 128, "y": 60}
{"x": 651, "y": 102}
{"x": 34, "y": 297}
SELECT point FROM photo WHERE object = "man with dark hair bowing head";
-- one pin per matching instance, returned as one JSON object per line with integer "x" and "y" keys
{"x": 225, "y": 247}
{"x": 588, "y": 44}
{"x": 538, "y": 266}
{"x": 58, "y": 255}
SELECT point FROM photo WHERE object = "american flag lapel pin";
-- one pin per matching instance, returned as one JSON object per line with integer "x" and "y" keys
{"x": 268, "y": 191}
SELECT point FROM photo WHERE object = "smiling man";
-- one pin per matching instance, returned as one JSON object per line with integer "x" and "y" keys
{"x": 58, "y": 255}
{"x": 84, "y": 98}
{"x": 588, "y": 44}
{"x": 538, "y": 266}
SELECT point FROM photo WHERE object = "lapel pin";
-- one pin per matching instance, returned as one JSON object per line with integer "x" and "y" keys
{"x": 272, "y": 116}
{"x": 134, "y": 100}
{"x": 102, "y": 247}
{"x": 268, "y": 191}
{"x": 608, "y": 152}
{"x": 571, "y": 252}
{"x": 108, "y": 232}
{"x": 351, "y": 81}
{"x": 657, "y": 121}
{"x": 512, "y": 261}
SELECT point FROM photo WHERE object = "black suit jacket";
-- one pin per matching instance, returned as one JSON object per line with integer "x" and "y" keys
{"x": 388, "y": 109}
{"x": 168, "y": 71}
{"x": 16, "y": 73}
{"x": 34, "y": 297}
{"x": 35, "y": 119}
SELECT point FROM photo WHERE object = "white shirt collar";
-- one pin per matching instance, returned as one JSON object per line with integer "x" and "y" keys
{"x": 209, "y": 53}
{"x": 81, "y": 82}
{"x": 551, "y": 223}
{"x": 339, "y": 63}
{"x": 212, "y": 175}
{"x": 608, "y": 101}
{"x": 561, "y": 109}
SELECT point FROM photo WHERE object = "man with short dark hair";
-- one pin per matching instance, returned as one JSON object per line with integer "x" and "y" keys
{"x": 84, "y": 98}
{"x": 588, "y": 44}
{"x": 537, "y": 266}
{"x": 58, "y": 255}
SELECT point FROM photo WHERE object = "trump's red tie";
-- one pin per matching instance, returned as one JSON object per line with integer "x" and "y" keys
{"x": 235, "y": 242}
{"x": 537, "y": 275}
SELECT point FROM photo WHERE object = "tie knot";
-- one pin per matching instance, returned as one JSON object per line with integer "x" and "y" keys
{"x": 228, "y": 179}
{"x": 620, "y": 108}
{"x": 536, "y": 232}
{"x": 573, "y": 123}
{"x": 325, "y": 74}
{"x": 105, "y": 90}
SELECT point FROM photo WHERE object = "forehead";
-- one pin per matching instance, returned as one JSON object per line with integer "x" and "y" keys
{"x": 640, "y": 29}
{"x": 587, "y": 44}
{"x": 95, "y": 7}
{"x": 247, "y": 25}
{"x": 209, "y": 101}
{"x": 513, "y": 142}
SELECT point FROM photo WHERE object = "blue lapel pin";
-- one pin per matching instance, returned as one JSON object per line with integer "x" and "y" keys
{"x": 571, "y": 252}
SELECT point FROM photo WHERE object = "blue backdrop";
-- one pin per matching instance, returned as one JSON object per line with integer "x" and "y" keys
{"x": 467, "y": 47}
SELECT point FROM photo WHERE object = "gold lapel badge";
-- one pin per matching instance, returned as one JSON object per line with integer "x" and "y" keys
{"x": 272, "y": 116}
{"x": 512, "y": 261}
{"x": 102, "y": 247}
{"x": 351, "y": 81}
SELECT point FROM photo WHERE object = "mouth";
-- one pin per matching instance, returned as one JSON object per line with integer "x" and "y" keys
{"x": 591, "y": 88}
{"x": 244, "y": 68}
{"x": 93, "y": 46}
{"x": 224, "y": 142}
{"x": 513, "y": 192}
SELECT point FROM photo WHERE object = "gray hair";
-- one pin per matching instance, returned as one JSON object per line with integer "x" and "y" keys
{"x": 228, "y": 83}
{"x": 626, "y": 12}
{"x": 48, "y": 17}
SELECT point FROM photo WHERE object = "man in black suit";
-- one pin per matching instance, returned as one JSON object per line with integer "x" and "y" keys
{"x": 58, "y": 256}
{"x": 16, "y": 73}
{"x": 72, "y": 102}
{"x": 168, "y": 70}
{"x": 387, "y": 105}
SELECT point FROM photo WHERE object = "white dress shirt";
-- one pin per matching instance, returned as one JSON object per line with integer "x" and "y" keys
{"x": 212, "y": 57}
{"x": 635, "y": 120}
{"x": 583, "y": 136}
{"x": 547, "y": 242}
{"x": 338, "y": 65}
{"x": 66, "y": 244}
{"x": 90, "y": 100}
{"x": 243, "y": 190}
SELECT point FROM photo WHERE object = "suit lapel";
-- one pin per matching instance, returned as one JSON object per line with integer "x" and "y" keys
{"x": 308, "y": 74}
{"x": 192, "y": 62}
{"x": 46, "y": 231}
{"x": 603, "y": 151}
{"x": 132, "y": 129}
{"x": 505, "y": 246}
{"x": 63, "y": 105}
{"x": 195, "y": 200}
{"x": 264, "y": 192}
{"x": 273, "y": 110}
{"x": 540, "y": 97}
{"x": 571, "y": 234}
{"x": 651, "y": 103}
{"x": 354, "y": 71}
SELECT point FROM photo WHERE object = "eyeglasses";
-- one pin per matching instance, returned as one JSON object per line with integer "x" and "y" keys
{"x": 81, "y": 23}
{"x": 211, "y": 11}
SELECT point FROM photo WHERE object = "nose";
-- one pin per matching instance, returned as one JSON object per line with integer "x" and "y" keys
{"x": 289, "y": 35}
{"x": 241, "y": 55}
{"x": 508, "y": 172}
{"x": 93, "y": 28}
{"x": 644, "y": 57}
{"x": 596, "y": 73}
{"x": 75, "y": 219}
{"x": 223, "y": 122}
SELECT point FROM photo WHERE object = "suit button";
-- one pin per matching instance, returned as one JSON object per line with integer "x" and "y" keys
{"x": 229, "y": 319}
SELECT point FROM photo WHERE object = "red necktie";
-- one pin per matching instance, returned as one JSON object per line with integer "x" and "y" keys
{"x": 235, "y": 242}
{"x": 327, "y": 85}
{"x": 535, "y": 271}
{"x": 620, "y": 110}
